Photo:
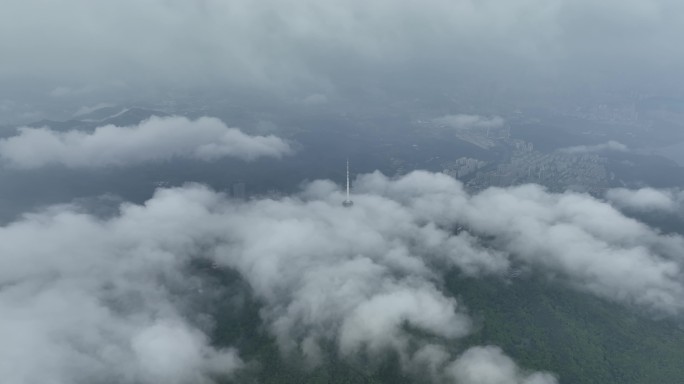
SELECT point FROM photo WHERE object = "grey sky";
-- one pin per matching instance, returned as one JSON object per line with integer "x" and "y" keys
{"x": 79, "y": 48}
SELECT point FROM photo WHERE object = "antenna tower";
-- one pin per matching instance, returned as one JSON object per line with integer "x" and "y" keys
{"x": 347, "y": 202}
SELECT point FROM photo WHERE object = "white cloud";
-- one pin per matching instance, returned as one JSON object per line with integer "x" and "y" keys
{"x": 155, "y": 139}
{"x": 645, "y": 199}
{"x": 463, "y": 121}
{"x": 315, "y": 99}
{"x": 377, "y": 322}
{"x": 85, "y": 110}
{"x": 488, "y": 365}
{"x": 605, "y": 147}
{"x": 63, "y": 91}
{"x": 590, "y": 243}
{"x": 90, "y": 299}
{"x": 173, "y": 353}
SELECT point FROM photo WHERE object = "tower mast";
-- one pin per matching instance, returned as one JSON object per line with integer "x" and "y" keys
{"x": 347, "y": 202}
{"x": 347, "y": 179}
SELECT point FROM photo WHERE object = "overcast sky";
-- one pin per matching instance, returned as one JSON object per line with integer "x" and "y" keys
{"x": 86, "y": 48}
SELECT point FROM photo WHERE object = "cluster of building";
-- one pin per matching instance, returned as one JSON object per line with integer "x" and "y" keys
{"x": 557, "y": 171}
{"x": 465, "y": 166}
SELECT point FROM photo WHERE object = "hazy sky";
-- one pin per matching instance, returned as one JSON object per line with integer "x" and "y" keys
{"x": 296, "y": 48}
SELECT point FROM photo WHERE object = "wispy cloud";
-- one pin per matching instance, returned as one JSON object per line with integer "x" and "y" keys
{"x": 463, "y": 121}
{"x": 605, "y": 147}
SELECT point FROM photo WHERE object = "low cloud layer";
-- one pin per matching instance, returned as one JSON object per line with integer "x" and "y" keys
{"x": 648, "y": 200}
{"x": 155, "y": 139}
{"x": 605, "y": 147}
{"x": 488, "y": 365}
{"x": 642, "y": 199}
{"x": 463, "y": 121}
{"x": 94, "y": 294}
{"x": 87, "y": 300}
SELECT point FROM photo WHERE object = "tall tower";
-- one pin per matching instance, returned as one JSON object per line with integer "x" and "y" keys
{"x": 347, "y": 202}
{"x": 240, "y": 190}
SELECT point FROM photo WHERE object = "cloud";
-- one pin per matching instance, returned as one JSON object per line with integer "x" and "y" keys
{"x": 306, "y": 46}
{"x": 63, "y": 91}
{"x": 86, "y": 110}
{"x": 463, "y": 121}
{"x": 477, "y": 365}
{"x": 97, "y": 300}
{"x": 586, "y": 241}
{"x": 172, "y": 353}
{"x": 155, "y": 139}
{"x": 315, "y": 99}
{"x": 95, "y": 294}
{"x": 93, "y": 298}
{"x": 488, "y": 365}
{"x": 645, "y": 199}
{"x": 605, "y": 147}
